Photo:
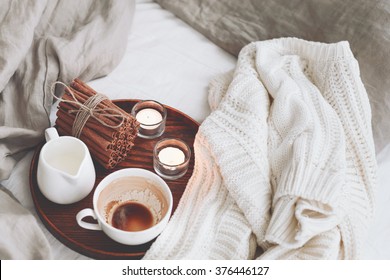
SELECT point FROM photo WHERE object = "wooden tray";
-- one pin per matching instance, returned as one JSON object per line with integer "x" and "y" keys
{"x": 61, "y": 219}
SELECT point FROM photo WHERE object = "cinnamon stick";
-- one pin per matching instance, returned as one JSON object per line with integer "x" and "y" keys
{"x": 109, "y": 137}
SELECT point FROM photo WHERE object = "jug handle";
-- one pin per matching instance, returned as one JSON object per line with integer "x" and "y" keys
{"x": 51, "y": 133}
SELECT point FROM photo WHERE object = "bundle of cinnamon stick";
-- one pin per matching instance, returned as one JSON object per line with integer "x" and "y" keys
{"x": 109, "y": 132}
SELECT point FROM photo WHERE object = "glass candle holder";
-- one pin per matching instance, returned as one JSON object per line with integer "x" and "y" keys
{"x": 171, "y": 158}
{"x": 152, "y": 117}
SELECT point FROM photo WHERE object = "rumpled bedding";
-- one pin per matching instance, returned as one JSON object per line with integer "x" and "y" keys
{"x": 42, "y": 42}
{"x": 232, "y": 24}
{"x": 28, "y": 51}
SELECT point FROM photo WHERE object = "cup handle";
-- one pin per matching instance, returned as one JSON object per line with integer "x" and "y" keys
{"x": 51, "y": 133}
{"x": 85, "y": 213}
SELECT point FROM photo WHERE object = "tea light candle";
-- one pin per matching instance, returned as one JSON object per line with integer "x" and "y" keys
{"x": 171, "y": 156}
{"x": 151, "y": 116}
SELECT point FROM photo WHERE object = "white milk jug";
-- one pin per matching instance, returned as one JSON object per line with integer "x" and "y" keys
{"x": 66, "y": 173}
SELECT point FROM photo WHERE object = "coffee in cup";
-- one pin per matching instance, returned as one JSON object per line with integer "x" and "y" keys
{"x": 132, "y": 216}
{"x": 132, "y": 206}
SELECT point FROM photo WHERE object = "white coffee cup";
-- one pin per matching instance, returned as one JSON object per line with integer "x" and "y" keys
{"x": 129, "y": 187}
{"x": 66, "y": 173}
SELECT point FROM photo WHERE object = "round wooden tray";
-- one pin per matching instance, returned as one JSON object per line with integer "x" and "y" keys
{"x": 61, "y": 219}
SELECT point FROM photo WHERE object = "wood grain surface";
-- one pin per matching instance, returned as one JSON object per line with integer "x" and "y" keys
{"x": 61, "y": 219}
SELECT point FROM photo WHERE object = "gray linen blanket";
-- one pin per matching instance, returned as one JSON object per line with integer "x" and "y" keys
{"x": 43, "y": 41}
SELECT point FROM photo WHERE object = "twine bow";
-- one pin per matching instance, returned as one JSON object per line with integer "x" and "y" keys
{"x": 88, "y": 109}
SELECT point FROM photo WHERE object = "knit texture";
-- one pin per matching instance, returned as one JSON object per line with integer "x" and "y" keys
{"x": 285, "y": 163}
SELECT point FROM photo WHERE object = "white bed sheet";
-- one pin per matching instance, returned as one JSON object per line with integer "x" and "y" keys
{"x": 166, "y": 60}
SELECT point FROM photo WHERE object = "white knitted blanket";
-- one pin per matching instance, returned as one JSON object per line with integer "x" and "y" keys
{"x": 285, "y": 163}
